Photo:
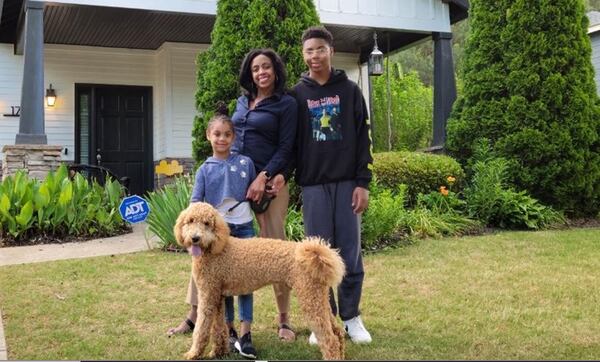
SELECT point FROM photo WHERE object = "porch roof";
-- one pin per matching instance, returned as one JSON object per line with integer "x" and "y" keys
{"x": 147, "y": 29}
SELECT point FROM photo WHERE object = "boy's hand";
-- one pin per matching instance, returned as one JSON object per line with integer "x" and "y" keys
{"x": 360, "y": 199}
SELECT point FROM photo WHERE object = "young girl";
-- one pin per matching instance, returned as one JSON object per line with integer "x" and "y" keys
{"x": 222, "y": 181}
{"x": 265, "y": 124}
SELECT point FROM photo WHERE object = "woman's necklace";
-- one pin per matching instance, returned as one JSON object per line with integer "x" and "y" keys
{"x": 256, "y": 101}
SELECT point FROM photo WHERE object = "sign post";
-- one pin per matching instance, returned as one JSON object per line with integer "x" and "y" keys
{"x": 134, "y": 209}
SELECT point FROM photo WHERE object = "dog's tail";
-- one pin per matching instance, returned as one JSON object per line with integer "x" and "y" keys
{"x": 320, "y": 262}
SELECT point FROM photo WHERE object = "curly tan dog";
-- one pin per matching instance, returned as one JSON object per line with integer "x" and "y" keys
{"x": 223, "y": 266}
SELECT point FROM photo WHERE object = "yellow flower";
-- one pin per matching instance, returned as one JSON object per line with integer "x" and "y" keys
{"x": 451, "y": 179}
{"x": 443, "y": 190}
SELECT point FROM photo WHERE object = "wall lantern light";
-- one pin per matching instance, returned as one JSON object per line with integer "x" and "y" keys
{"x": 50, "y": 96}
{"x": 375, "y": 59}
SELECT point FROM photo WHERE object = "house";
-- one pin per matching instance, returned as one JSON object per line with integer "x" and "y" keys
{"x": 123, "y": 73}
{"x": 594, "y": 34}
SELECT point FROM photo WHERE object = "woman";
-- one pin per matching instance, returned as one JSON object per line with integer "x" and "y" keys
{"x": 265, "y": 125}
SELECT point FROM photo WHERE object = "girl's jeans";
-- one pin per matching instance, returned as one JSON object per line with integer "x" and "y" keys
{"x": 242, "y": 231}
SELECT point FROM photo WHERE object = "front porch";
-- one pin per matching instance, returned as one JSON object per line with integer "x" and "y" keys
{"x": 154, "y": 44}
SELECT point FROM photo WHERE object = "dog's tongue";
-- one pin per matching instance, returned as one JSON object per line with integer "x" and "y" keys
{"x": 196, "y": 251}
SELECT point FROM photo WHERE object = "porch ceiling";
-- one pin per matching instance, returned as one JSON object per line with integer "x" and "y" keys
{"x": 145, "y": 29}
{"x": 122, "y": 28}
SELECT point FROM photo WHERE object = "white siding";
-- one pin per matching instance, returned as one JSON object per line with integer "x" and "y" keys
{"x": 355, "y": 71}
{"x": 162, "y": 104}
{"x": 179, "y": 6}
{"x": 170, "y": 71}
{"x": 410, "y": 15}
{"x": 67, "y": 65}
{"x": 11, "y": 78}
{"x": 595, "y": 39}
{"x": 177, "y": 69}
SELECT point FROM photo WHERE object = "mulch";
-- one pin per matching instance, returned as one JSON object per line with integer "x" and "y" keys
{"x": 39, "y": 239}
{"x": 584, "y": 223}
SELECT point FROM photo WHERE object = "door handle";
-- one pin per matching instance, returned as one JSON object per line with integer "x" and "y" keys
{"x": 98, "y": 157}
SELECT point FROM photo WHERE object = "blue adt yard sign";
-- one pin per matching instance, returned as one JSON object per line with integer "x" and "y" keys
{"x": 134, "y": 209}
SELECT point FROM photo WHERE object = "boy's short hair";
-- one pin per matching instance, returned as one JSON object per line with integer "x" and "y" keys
{"x": 317, "y": 32}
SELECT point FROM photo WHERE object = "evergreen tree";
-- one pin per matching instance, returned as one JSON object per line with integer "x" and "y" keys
{"x": 242, "y": 25}
{"x": 529, "y": 88}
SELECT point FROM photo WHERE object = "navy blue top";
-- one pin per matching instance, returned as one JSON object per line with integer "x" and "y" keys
{"x": 219, "y": 179}
{"x": 266, "y": 134}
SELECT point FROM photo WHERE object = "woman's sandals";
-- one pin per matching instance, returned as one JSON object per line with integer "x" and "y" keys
{"x": 286, "y": 334}
{"x": 187, "y": 326}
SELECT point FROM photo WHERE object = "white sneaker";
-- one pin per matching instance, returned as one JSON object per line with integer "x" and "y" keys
{"x": 357, "y": 331}
{"x": 312, "y": 340}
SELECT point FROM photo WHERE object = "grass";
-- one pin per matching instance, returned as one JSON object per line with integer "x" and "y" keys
{"x": 516, "y": 295}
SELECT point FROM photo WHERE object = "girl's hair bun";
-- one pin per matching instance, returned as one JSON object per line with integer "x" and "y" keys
{"x": 221, "y": 108}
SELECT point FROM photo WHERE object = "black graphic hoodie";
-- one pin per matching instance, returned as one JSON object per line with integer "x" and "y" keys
{"x": 332, "y": 139}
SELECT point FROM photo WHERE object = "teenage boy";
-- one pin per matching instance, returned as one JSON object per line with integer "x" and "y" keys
{"x": 332, "y": 167}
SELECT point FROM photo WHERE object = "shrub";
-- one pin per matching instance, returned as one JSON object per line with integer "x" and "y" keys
{"x": 411, "y": 112}
{"x": 529, "y": 88}
{"x": 381, "y": 219}
{"x": 166, "y": 204}
{"x": 295, "y": 194}
{"x": 294, "y": 224}
{"x": 492, "y": 202}
{"x": 241, "y": 25}
{"x": 424, "y": 223}
{"x": 442, "y": 202}
{"x": 58, "y": 207}
{"x": 421, "y": 172}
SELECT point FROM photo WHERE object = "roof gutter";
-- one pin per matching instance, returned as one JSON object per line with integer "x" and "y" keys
{"x": 591, "y": 29}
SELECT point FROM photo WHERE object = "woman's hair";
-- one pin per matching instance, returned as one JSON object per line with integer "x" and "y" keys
{"x": 220, "y": 116}
{"x": 246, "y": 81}
{"x": 318, "y": 32}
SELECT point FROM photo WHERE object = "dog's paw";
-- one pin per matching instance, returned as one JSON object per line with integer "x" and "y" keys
{"x": 191, "y": 355}
{"x": 212, "y": 355}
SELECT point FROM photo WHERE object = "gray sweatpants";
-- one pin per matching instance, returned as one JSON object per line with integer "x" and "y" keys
{"x": 327, "y": 211}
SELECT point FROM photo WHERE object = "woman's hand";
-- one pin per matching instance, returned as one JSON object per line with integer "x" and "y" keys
{"x": 257, "y": 187}
{"x": 275, "y": 184}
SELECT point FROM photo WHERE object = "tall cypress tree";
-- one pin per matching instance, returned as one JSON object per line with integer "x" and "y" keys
{"x": 240, "y": 26}
{"x": 529, "y": 88}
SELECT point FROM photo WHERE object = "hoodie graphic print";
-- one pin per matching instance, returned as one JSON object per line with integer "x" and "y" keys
{"x": 325, "y": 122}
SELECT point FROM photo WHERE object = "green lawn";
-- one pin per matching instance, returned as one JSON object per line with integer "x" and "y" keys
{"x": 517, "y": 295}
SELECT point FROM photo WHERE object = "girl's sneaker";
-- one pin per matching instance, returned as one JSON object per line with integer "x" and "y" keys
{"x": 245, "y": 347}
{"x": 233, "y": 339}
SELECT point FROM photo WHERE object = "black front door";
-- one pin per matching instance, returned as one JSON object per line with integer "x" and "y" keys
{"x": 120, "y": 132}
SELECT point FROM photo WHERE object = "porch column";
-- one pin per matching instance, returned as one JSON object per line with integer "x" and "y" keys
{"x": 31, "y": 122}
{"x": 444, "y": 86}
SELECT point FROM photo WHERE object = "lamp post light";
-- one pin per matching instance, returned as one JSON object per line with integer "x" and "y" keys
{"x": 375, "y": 59}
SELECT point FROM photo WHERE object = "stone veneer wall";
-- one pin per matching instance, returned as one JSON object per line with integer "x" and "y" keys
{"x": 162, "y": 180}
{"x": 38, "y": 160}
